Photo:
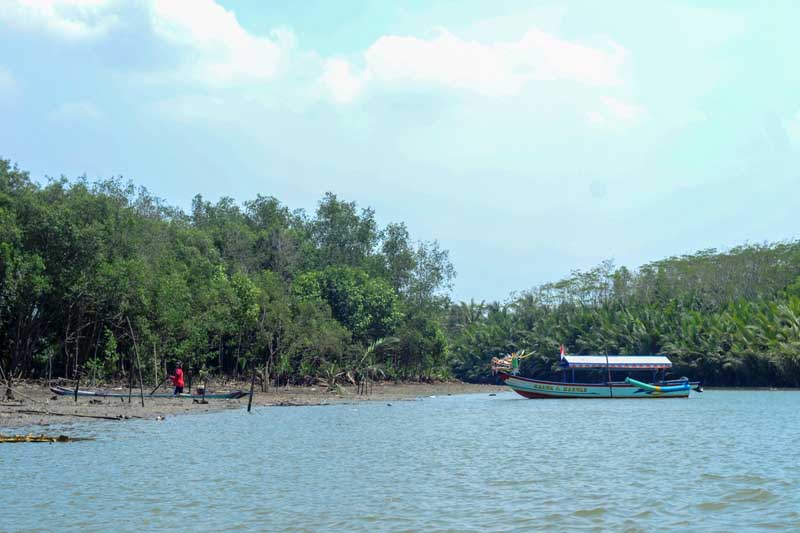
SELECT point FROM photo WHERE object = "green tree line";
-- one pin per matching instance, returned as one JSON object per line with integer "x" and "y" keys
{"x": 730, "y": 318}
{"x": 91, "y": 273}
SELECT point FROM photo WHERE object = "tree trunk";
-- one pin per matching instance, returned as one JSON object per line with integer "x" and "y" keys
{"x": 155, "y": 363}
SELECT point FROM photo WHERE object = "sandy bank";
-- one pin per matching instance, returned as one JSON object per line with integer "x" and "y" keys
{"x": 35, "y": 404}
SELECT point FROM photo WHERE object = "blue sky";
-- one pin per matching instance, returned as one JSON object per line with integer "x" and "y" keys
{"x": 529, "y": 138}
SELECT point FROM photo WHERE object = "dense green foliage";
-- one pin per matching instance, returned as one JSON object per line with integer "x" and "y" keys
{"x": 729, "y": 318}
{"x": 92, "y": 273}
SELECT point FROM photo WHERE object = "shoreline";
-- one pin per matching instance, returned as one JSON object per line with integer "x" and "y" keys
{"x": 36, "y": 405}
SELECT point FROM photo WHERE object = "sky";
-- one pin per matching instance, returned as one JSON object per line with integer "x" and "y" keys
{"x": 529, "y": 138}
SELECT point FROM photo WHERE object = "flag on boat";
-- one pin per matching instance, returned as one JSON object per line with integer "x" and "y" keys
{"x": 563, "y": 353}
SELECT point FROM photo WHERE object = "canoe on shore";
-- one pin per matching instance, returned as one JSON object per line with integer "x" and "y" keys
{"x": 63, "y": 391}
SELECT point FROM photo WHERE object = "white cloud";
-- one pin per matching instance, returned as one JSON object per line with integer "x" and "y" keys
{"x": 219, "y": 51}
{"x": 77, "y": 111}
{"x": 199, "y": 46}
{"x": 338, "y": 78}
{"x": 491, "y": 69}
{"x": 622, "y": 111}
{"x": 212, "y": 47}
{"x": 616, "y": 113}
{"x": 72, "y": 19}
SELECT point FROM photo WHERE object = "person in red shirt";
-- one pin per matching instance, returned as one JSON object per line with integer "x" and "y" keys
{"x": 177, "y": 379}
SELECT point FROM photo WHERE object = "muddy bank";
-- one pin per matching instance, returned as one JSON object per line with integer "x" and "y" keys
{"x": 35, "y": 404}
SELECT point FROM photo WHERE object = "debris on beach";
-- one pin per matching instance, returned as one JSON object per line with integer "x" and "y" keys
{"x": 39, "y": 438}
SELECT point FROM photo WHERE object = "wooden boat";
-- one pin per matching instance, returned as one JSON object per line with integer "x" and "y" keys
{"x": 63, "y": 391}
{"x": 608, "y": 365}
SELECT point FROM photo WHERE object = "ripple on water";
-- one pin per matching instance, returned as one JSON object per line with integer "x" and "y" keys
{"x": 632, "y": 528}
{"x": 442, "y": 464}
{"x": 751, "y": 495}
{"x": 589, "y": 513}
{"x": 712, "y": 506}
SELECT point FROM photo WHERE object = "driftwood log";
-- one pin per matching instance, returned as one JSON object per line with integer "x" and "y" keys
{"x": 39, "y": 438}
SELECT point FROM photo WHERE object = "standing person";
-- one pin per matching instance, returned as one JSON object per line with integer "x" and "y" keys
{"x": 177, "y": 379}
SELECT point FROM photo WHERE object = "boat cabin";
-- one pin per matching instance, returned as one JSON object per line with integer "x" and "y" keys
{"x": 616, "y": 366}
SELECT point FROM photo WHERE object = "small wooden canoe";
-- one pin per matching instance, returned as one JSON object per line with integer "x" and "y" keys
{"x": 63, "y": 391}
{"x": 659, "y": 389}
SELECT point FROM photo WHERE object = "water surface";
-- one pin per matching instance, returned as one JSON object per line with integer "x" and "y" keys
{"x": 721, "y": 461}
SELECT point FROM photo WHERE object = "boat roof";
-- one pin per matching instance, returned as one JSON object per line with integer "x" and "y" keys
{"x": 617, "y": 362}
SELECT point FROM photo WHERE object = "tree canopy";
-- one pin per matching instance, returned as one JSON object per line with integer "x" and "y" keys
{"x": 727, "y": 317}
{"x": 221, "y": 287}
{"x": 87, "y": 268}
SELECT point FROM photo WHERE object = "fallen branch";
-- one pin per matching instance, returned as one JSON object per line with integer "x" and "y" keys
{"x": 40, "y": 438}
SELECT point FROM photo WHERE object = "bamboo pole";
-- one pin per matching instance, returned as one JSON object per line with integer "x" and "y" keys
{"x": 130, "y": 382}
{"x": 158, "y": 386}
{"x": 77, "y": 383}
{"x": 252, "y": 385}
{"x": 141, "y": 385}
{"x": 130, "y": 379}
{"x": 9, "y": 393}
{"x": 138, "y": 362}
{"x": 155, "y": 364}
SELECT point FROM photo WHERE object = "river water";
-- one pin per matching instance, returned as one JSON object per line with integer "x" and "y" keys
{"x": 720, "y": 461}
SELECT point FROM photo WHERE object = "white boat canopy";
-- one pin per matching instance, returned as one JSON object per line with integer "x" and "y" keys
{"x": 616, "y": 362}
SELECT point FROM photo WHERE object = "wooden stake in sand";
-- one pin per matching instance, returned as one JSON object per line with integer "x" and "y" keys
{"x": 77, "y": 383}
{"x": 252, "y": 385}
{"x": 9, "y": 394}
{"x": 130, "y": 381}
{"x": 138, "y": 363}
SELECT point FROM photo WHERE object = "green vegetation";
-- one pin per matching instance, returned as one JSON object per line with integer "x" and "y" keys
{"x": 729, "y": 318}
{"x": 333, "y": 298}
{"x": 305, "y": 298}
